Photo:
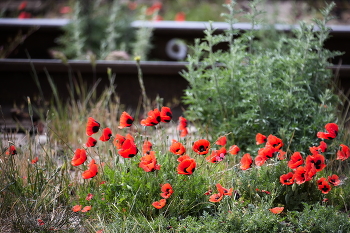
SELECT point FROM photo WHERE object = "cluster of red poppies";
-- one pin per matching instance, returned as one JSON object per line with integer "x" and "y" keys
{"x": 166, "y": 192}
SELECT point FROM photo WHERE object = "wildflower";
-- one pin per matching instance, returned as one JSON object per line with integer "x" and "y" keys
{"x": 234, "y": 150}
{"x": 277, "y": 210}
{"x": 35, "y": 160}
{"x": 180, "y": 17}
{"x": 106, "y": 134}
{"x": 89, "y": 197}
{"x": 287, "y": 179}
{"x": 155, "y": 7}
{"x": 224, "y": 191}
{"x": 177, "y": 148}
{"x": 24, "y": 15}
{"x": 167, "y": 190}
{"x": 318, "y": 160}
{"x": 65, "y": 10}
{"x": 22, "y": 5}
{"x": 91, "y": 142}
{"x": 125, "y": 120}
{"x": 182, "y": 127}
{"x": 260, "y": 138}
{"x": 11, "y": 150}
{"x": 165, "y": 114}
{"x": 186, "y": 166}
{"x": 201, "y": 146}
{"x": 332, "y": 131}
{"x": 246, "y": 161}
{"x": 318, "y": 149}
{"x": 159, "y": 204}
{"x": 86, "y": 209}
{"x": 260, "y": 160}
{"x": 221, "y": 141}
{"x": 334, "y": 180}
{"x": 152, "y": 119}
{"x": 118, "y": 141}
{"x": 274, "y": 142}
{"x": 182, "y": 158}
{"x": 40, "y": 222}
{"x": 295, "y": 160}
{"x": 128, "y": 149}
{"x": 324, "y": 186}
{"x": 76, "y": 208}
{"x": 209, "y": 192}
{"x": 79, "y": 157}
{"x": 149, "y": 162}
{"x": 217, "y": 155}
{"x": 281, "y": 155}
{"x": 343, "y": 153}
{"x": 299, "y": 175}
{"x": 92, "y": 126}
{"x": 216, "y": 197}
{"x": 147, "y": 147}
{"x": 92, "y": 171}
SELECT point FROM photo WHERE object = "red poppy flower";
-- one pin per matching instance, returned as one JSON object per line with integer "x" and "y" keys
{"x": 155, "y": 7}
{"x": 281, "y": 155}
{"x": 277, "y": 210}
{"x": 234, "y": 150}
{"x": 128, "y": 149}
{"x": 76, "y": 208}
{"x": 180, "y": 17}
{"x": 260, "y": 160}
{"x": 182, "y": 127}
{"x": 267, "y": 152}
{"x": 260, "y": 138}
{"x": 86, "y": 209}
{"x": 186, "y": 167}
{"x": 182, "y": 158}
{"x": 182, "y": 123}
{"x": 221, "y": 141}
{"x": 209, "y": 192}
{"x": 217, "y": 155}
{"x": 89, "y": 197}
{"x": 149, "y": 162}
{"x": 22, "y": 5}
{"x": 11, "y": 150}
{"x": 118, "y": 141}
{"x": 152, "y": 119}
{"x": 35, "y": 160}
{"x": 183, "y": 133}
{"x": 332, "y": 131}
{"x": 165, "y": 114}
{"x": 130, "y": 137}
{"x": 310, "y": 171}
{"x": 334, "y": 180}
{"x": 224, "y": 191}
{"x": 287, "y": 179}
{"x": 275, "y": 142}
{"x": 318, "y": 160}
{"x": 324, "y": 186}
{"x": 92, "y": 126}
{"x": 319, "y": 181}
{"x": 216, "y": 197}
{"x": 125, "y": 120}
{"x": 147, "y": 147}
{"x": 295, "y": 160}
{"x": 299, "y": 175}
{"x": 41, "y": 222}
{"x": 246, "y": 161}
{"x": 79, "y": 157}
{"x": 159, "y": 204}
{"x": 167, "y": 190}
{"x": 92, "y": 171}
{"x": 177, "y": 148}
{"x": 24, "y": 15}
{"x": 91, "y": 142}
{"x": 319, "y": 149}
{"x": 343, "y": 153}
{"x": 106, "y": 134}
{"x": 201, "y": 146}
{"x": 65, "y": 10}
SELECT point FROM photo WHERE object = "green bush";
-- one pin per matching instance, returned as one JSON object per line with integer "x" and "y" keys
{"x": 265, "y": 82}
